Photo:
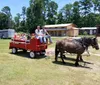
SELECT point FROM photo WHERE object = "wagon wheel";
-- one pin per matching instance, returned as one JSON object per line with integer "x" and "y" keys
{"x": 14, "y": 50}
{"x": 32, "y": 54}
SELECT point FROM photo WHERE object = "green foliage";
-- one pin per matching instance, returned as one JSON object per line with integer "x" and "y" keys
{"x": 96, "y": 4}
{"x": 67, "y": 13}
{"x": 86, "y": 6}
{"x": 60, "y": 18}
{"x": 52, "y": 12}
{"x": 83, "y": 13}
{"x": 6, "y": 10}
{"x": 17, "y": 21}
{"x": 34, "y": 14}
{"x": 3, "y": 21}
{"x": 76, "y": 13}
{"x": 85, "y": 33}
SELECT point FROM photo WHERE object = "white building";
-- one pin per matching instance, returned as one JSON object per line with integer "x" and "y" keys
{"x": 88, "y": 30}
{"x": 7, "y": 33}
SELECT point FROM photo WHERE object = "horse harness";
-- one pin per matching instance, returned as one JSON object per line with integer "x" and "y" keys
{"x": 81, "y": 41}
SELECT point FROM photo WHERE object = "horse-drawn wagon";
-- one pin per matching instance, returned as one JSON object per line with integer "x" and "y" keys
{"x": 33, "y": 46}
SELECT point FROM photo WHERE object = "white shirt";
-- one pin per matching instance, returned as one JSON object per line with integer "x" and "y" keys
{"x": 43, "y": 31}
{"x": 37, "y": 32}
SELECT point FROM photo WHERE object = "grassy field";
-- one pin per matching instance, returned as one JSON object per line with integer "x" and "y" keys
{"x": 20, "y": 70}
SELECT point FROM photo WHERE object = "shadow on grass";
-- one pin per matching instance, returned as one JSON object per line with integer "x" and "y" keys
{"x": 73, "y": 64}
{"x": 21, "y": 54}
{"x": 69, "y": 58}
{"x": 26, "y": 55}
{"x": 66, "y": 63}
{"x": 40, "y": 56}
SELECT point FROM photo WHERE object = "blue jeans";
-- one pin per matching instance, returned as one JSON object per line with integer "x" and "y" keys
{"x": 40, "y": 38}
{"x": 47, "y": 37}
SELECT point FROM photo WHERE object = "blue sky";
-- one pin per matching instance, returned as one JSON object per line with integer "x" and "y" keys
{"x": 16, "y": 5}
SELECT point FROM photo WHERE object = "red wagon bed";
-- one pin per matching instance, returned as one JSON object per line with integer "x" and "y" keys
{"x": 32, "y": 45}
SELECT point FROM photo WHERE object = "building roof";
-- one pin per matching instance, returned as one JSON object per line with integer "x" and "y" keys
{"x": 73, "y": 28}
{"x": 59, "y": 25}
{"x": 88, "y": 28}
{"x": 7, "y": 30}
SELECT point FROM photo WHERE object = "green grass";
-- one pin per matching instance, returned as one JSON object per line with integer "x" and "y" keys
{"x": 20, "y": 70}
{"x": 86, "y": 35}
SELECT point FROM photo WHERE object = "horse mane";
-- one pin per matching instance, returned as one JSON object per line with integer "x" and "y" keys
{"x": 85, "y": 41}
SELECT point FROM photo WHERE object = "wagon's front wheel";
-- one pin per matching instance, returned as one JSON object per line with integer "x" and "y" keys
{"x": 32, "y": 54}
{"x": 14, "y": 50}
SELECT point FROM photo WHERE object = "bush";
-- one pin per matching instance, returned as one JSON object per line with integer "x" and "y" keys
{"x": 85, "y": 33}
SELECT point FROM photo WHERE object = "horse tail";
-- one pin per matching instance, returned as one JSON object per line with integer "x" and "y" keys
{"x": 56, "y": 52}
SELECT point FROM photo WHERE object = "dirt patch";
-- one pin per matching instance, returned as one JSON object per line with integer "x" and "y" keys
{"x": 50, "y": 52}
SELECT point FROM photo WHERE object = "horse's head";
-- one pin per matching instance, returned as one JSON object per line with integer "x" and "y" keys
{"x": 87, "y": 41}
{"x": 94, "y": 43}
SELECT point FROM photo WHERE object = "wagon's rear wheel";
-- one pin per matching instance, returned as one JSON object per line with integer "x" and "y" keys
{"x": 32, "y": 54}
{"x": 14, "y": 50}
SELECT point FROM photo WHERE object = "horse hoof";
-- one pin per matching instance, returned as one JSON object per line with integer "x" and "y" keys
{"x": 64, "y": 63}
{"x": 55, "y": 60}
{"x": 76, "y": 64}
{"x": 81, "y": 61}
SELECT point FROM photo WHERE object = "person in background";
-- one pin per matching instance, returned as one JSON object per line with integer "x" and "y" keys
{"x": 28, "y": 36}
{"x": 39, "y": 34}
{"x": 23, "y": 36}
{"x": 46, "y": 35}
{"x": 15, "y": 36}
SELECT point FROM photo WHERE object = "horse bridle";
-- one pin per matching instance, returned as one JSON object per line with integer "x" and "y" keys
{"x": 93, "y": 45}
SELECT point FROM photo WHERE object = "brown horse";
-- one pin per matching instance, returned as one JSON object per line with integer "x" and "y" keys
{"x": 77, "y": 46}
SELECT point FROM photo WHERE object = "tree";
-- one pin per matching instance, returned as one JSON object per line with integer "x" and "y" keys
{"x": 52, "y": 13}
{"x": 17, "y": 22}
{"x": 23, "y": 13}
{"x": 7, "y": 10}
{"x": 97, "y": 19}
{"x": 86, "y": 6}
{"x": 76, "y": 13}
{"x": 96, "y": 4}
{"x": 45, "y": 9}
{"x": 67, "y": 13}
{"x": 3, "y": 21}
{"x": 35, "y": 14}
{"x": 22, "y": 25}
{"x": 60, "y": 18}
